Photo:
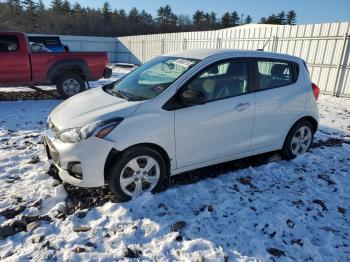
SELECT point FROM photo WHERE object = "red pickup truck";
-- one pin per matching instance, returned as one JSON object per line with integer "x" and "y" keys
{"x": 69, "y": 71}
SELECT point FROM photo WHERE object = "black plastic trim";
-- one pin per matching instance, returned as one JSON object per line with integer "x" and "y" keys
{"x": 68, "y": 65}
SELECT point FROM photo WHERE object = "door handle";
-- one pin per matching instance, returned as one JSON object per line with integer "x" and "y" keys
{"x": 241, "y": 106}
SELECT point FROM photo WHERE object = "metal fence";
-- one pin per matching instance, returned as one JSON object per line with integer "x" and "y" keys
{"x": 90, "y": 44}
{"x": 325, "y": 47}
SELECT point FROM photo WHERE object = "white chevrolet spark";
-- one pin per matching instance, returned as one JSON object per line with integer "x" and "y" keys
{"x": 181, "y": 112}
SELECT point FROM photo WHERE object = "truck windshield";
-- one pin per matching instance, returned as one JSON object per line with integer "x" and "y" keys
{"x": 152, "y": 78}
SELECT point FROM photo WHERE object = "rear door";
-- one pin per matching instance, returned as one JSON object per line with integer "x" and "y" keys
{"x": 14, "y": 61}
{"x": 280, "y": 99}
{"x": 222, "y": 126}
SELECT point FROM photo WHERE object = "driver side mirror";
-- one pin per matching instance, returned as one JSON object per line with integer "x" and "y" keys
{"x": 190, "y": 97}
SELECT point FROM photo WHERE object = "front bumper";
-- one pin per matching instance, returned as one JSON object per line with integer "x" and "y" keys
{"x": 91, "y": 153}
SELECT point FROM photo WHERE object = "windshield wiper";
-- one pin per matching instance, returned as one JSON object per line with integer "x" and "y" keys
{"x": 120, "y": 94}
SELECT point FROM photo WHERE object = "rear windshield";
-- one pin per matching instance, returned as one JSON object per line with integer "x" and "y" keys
{"x": 47, "y": 41}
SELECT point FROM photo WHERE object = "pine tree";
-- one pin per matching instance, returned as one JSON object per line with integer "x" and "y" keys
{"x": 213, "y": 20}
{"x": 166, "y": 19}
{"x": 64, "y": 17}
{"x": 66, "y": 7}
{"x": 248, "y": 19}
{"x": 235, "y": 18}
{"x": 282, "y": 18}
{"x": 226, "y": 20}
{"x": 106, "y": 10}
{"x": 198, "y": 19}
{"x": 30, "y": 16}
{"x": 107, "y": 17}
{"x": 291, "y": 18}
{"x": 15, "y": 15}
{"x": 56, "y": 5}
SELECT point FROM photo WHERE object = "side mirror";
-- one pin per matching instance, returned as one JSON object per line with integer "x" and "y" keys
{"x": 191, "y": 97}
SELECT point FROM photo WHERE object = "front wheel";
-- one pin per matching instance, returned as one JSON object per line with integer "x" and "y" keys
{"x": 299, "y": 140}
{"x": 138, "y": 170}
{"x": 70, "y": 84}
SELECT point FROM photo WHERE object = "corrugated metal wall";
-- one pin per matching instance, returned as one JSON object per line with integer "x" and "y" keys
{"x": 90, "y": 44}
{"x": 325, "y": 47}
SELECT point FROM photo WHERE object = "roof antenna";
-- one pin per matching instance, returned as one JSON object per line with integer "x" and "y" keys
{"x": 262, "y": 49}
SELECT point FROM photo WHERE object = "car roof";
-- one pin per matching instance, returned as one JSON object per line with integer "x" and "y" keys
{"x": 206, "y": 53}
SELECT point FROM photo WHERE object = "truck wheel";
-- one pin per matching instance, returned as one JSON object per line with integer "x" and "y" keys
{"x": 70, "y": 84}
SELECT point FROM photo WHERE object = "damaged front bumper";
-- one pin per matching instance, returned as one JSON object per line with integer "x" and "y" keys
{"x": 89, "y": 157}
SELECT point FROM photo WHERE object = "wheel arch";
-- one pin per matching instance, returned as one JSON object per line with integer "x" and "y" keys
{"x": 68, "y": 65}
{"x": 310, "y": 119}
{"x": 114, "y": 154}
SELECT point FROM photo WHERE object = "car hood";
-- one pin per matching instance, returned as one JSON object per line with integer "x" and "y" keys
{"x": 90, "y": 106}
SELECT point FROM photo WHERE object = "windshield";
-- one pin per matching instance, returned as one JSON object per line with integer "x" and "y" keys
{"x": 152, "y": 78}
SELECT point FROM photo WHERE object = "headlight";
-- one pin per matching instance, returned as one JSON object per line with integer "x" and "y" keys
{"x": 99, "y": 129}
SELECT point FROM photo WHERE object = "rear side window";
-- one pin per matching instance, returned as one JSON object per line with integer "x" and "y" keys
{"x": 8, "y": 43}
{"x": 273, "y": 74}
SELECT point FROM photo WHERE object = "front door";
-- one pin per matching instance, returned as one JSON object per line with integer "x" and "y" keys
{"x": 222, "y": 126}
{"x": 14, "y": 62}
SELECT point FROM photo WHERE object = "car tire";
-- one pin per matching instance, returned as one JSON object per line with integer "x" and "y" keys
{"x": 298, "y": 140}
{"x": 120, "y": 174}
{"x": 69, "y": 84}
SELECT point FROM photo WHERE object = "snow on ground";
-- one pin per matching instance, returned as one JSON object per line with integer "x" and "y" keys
{"x": 279, "y": 210}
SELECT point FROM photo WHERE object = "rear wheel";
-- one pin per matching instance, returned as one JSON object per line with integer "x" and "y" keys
{"x": 70, "y": 84}
{"x": 138, "y": 170}
{"x": 299, "y": 140}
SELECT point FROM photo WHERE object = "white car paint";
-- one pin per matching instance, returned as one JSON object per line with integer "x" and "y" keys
{"x": 192, "y": 137}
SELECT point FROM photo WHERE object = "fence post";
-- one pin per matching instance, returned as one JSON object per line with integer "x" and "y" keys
{"x": 218, "y": 42}
{"x": 143, "y": 51}
{"x": 274, "y": 44}
{"x": 129, "y": 48}
{"x": 184, "y": 44}
{"x": 162, "y": 48}
{"x": 342, "y": 66}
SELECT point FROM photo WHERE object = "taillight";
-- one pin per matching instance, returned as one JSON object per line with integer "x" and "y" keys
{"x": 315, "y": 90}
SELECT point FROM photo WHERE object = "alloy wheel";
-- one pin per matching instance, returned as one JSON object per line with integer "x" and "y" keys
{"x": 139, "y": 175}
{"x": 301, "y": 140}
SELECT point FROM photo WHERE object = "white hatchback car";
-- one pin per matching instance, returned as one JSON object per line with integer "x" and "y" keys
{"x": 181, "y": 112}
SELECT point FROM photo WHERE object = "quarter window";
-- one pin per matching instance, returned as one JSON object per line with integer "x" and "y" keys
{"x": 221, "y": 80}
{"x": 8, "y": 43}
{"x": 274, "y": 74}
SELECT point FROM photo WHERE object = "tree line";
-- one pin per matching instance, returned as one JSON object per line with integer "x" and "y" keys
{"x": 62, "y": 17}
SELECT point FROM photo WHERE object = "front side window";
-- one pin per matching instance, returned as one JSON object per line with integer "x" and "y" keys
{"x": 152, "y": 78}
{"x": 221, "y": 80}
{"x": 8, "y": 43}
{"x": 273, "y": 74}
